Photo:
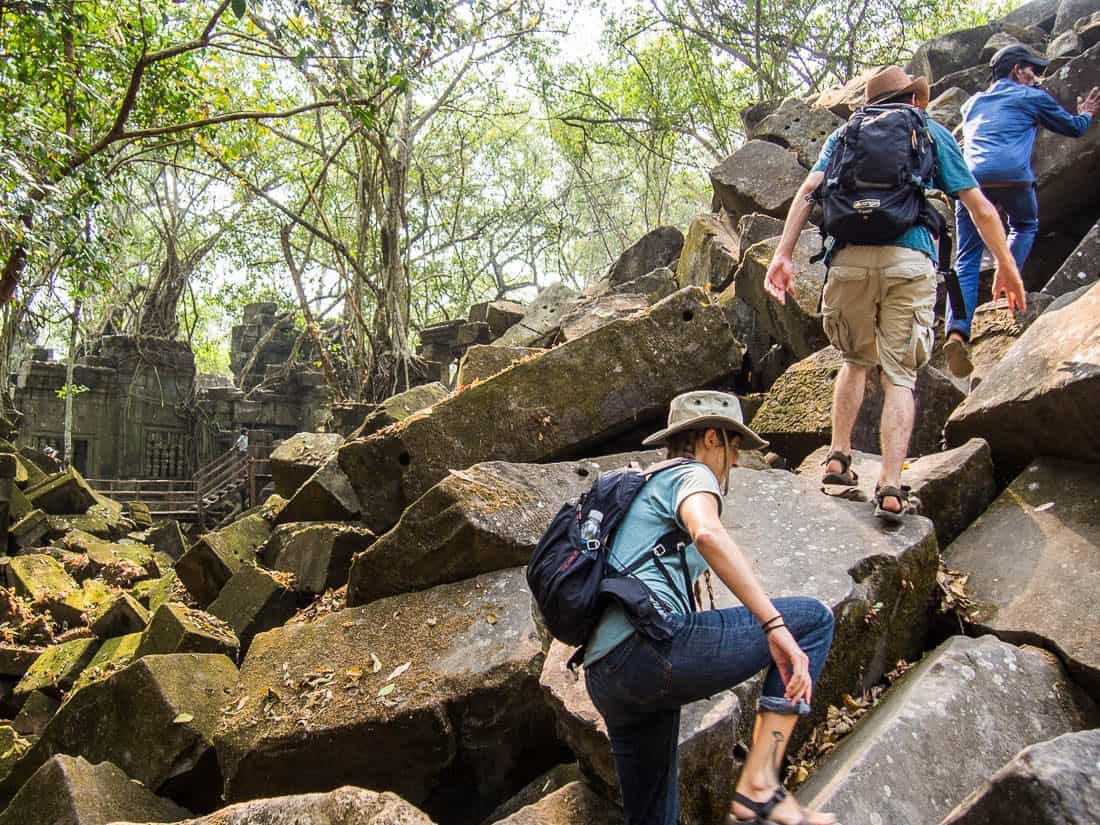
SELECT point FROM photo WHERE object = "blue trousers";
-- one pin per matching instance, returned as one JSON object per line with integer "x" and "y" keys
{"x": 640, "y": 686}
{"x": 1021, "y": 207}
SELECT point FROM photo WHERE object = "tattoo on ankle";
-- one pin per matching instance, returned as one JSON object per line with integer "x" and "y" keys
{"x": 777, "y": 752}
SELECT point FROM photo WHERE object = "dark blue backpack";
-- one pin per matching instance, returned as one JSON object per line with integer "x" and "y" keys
{"x": 571, "y": 579}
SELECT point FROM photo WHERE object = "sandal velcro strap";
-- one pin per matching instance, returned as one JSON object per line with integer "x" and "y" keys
{"x": 845, "y": 460}
{"x": 761, "y": 809}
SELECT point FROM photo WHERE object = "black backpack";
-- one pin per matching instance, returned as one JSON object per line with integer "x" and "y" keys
{"x": 876, "y": 177}
{"x": 875, "y": 182}
{"x": 570, "y": 579}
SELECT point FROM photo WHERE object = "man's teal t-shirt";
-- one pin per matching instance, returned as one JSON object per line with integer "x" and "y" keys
{"x": 951, "y": 176}
{"x": 653, "y": 513}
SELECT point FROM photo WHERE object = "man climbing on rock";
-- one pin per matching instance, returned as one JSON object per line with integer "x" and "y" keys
{"x": 878, "y": 301}
{"x": 999, "y": 128}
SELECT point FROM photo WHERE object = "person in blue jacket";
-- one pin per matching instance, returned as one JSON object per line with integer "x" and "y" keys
{"x": 999, "y": 127}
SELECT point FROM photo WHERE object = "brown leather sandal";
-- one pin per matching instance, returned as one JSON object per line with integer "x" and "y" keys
{"x": 847, "y": 477}
{"x": 902, "y": 495}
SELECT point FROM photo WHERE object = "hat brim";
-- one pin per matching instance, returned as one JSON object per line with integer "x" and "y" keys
{"x": 917, "y": 86}
{"x": 749, "y": 439}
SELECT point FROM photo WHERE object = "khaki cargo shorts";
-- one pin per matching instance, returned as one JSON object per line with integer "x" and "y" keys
{"x": 878, "y": 309}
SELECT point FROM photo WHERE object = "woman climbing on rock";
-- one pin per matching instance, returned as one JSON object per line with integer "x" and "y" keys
{"x": 639, "y": 684}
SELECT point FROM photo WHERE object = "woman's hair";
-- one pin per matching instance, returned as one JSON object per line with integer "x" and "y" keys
{"x": 682, "y": 444}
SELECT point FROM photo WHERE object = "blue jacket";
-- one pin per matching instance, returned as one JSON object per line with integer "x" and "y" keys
{"x": 999, "y": 127}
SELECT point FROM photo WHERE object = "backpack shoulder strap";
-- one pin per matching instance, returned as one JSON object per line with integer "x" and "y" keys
{"x": 667, "y": 464}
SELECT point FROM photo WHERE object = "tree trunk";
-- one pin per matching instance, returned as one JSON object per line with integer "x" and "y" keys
{"x": 70, "y": 391}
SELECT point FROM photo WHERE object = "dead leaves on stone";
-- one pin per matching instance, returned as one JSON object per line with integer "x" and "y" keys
{"x": 839, "y": 722}
{"x": 953, "y": 594}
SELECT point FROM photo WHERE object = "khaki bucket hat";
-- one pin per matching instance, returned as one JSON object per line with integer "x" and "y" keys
{"x": 702, "y": 410}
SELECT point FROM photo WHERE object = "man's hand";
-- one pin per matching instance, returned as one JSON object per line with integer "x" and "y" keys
{"x": 793, "y": 665}
{"x": 779, "y": 279}
{"x": 1091, "y": 103}
{"x": 1007, "y": 282}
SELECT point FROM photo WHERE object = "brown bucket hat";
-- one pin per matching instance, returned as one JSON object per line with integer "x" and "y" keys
{"x": 705, "y": 409}
{"x": 893, "y": 80}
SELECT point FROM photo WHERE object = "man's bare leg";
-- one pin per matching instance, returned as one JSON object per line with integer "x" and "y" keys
{"x": 898, "y": 412}
{"x": 847, "y": 399}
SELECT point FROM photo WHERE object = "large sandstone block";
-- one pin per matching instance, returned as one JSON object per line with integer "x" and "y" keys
{"x": 708, "y": 737}
{"x": 949, "y": 53}
{"x": 993, "y": 330}
{"x": 1033, "y": 565}
{"x": 442, "y": 684}
{"x": 401, "y": 406}
{"x": 597, "y": 312}
{"x": 710, "y": 254}
{"x": 1081, "y": 268}
{"x": 344, "y": 806}
{"x": 954, "y": 487}
{"x": 797, "y": 323}
{"x": 539, "y": 325}
{"x": 318, "y": 554}
{"x": 801, "y": 128}
{"x": 55, "y": 671}
{"x": 177, "y": 628}
{"x": 796, "y": 414}
{"x": 253, "y": 601}
{"x": 843, "y": 100}
{"x": 484, "y": 360}
{"x": 658, "y": 247}
{"x": 946, "y": 109}
{"x": 501, "y": 316}
{"x": 297, "y": 458}
{"x": 571, "y": 805}
{"x": 216, "y": 556}
{"x": 72, "y": 791}
{"x": 1065, "y": 166}
{"x": 165, "y": 537}
{"x": 65, "y": 493}
{"x": 570, "y": 399}
{"x": 1070, "y": 11}
{"x": 1051, "y": 783}
{"x": 488, "y": 517}
{"x": 1041, "y": 399}
{"x": 327, "y": 495}
{"x": 154, "y": 719}
{"x": 955, "y": 719}
{"x": 38, "y": 576}
{"x": 759, "y": 177}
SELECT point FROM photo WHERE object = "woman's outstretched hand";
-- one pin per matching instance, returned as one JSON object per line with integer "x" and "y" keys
{"x": 793, "y": 664}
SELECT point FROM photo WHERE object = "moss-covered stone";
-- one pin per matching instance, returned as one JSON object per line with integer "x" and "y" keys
{"x": 29, "y": 530}
{"x": 658, "y": 247}
{"x": 177, "y": 628}
{"x": 759, "y": 177}
{"x": 216, "y": 556}
{"x": 317, "y": 554}
{"x": 64, "y": 493}
{"x": 39, "y": 576}
{"x": 484, "y": 360}
{"x": 710, "y": 254}
{"x": 154, "y": 719}
{"x": 152, "y": 593}
{"x": 113, "y": 655}
{"x": 299, "y": 457}
{"x": 253, "y": 601}
{"x": 12, "y": 748}
{"x": 465, "y": 713}
{"x": 573, "y": 398}
{"x": 113, "y": 554}
{"x": 38, "y": 708}
{"x": 165, "y": 537}
{"x": 539, "y": 325}
{"x": 72, "y": 791}
{"x": 73, "y": 607}
{"x": 401, "y": 406}
{"x": 15, "y": 660}
{"x": 796, "y": 416}
{"x": 55, "y": 671}
{"x": 116, "y": 616}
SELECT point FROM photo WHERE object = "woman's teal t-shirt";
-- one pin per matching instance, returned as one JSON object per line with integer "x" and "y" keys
{"x": 652, "y": 514}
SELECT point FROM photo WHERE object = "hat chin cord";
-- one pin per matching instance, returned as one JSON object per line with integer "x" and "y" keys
{"x": 725, "y": 464}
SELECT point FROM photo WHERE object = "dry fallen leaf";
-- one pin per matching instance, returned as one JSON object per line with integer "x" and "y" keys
{"x": 490, "y": 618}
{"x": 386, "y": 690}
{"x": 183, "y": 718}
{"x": 375, "y": 664}
{"x": 397, "y": 671}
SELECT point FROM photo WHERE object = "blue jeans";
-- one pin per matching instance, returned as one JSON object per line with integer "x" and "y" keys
{"x": 1021, "y": 206}
{"x": 640, "y": 686}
